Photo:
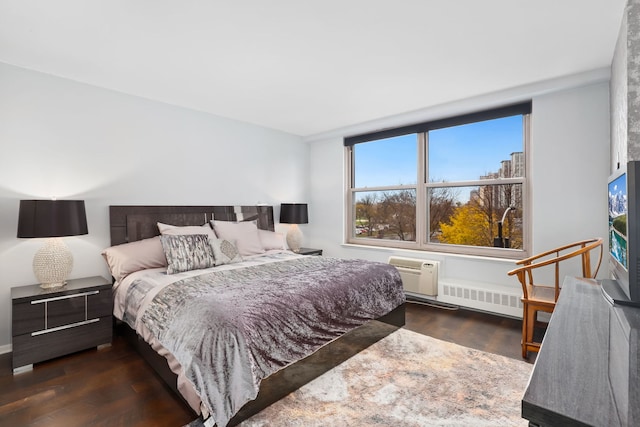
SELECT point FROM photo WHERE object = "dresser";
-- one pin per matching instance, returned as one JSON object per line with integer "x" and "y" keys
{"x": 587, "y": 372}
{"x": 48, "y": 323}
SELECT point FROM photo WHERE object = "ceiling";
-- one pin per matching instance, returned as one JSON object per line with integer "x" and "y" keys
{"x": 307, "y": 67}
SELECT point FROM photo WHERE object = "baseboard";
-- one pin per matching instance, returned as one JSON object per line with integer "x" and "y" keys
{"x": 5, "y": 348}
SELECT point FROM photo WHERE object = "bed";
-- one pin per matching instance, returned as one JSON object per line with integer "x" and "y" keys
{"x": 230, "y": 324}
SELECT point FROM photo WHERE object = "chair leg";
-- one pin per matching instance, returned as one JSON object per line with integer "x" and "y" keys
{"x": 531, "y": 322}
{"x": 524, "y": 331}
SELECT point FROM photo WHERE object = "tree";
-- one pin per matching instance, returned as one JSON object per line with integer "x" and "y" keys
{"x": 398, "y": 211}
{"x": 469, "y": 226}
{"x": 510, "y": 196}
{"x": 487, "y": 201}
{"x": 441, "y": 207}
{"x": 366, "y": 211}
{"x": 476, "y": 222}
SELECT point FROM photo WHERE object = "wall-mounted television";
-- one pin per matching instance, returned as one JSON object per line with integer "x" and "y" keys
{"x": 624, "y": 236}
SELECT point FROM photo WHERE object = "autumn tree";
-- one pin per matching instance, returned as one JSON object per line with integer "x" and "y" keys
{"x": 476, "y": 222}
{"x": 468, "y": 226}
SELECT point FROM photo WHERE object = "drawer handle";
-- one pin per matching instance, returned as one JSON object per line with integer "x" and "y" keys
{"x": 64, "y": 297}
{"x": 60, "y": 328}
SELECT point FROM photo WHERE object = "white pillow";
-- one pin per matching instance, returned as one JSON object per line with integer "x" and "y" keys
{"x": 272, "y": 240}
{"x": 174, "y": 230}
{"x": 244, "y": 234}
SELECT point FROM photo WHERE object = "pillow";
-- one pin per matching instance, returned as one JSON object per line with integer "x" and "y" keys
{"x": 272, "y": 240}
{"x": 225, "y": 252}
{"x": 244, "y": 234}
{"x": 127, "y": 258}
{"x": 175, "y": 230}
{"x": 186, "y": 252}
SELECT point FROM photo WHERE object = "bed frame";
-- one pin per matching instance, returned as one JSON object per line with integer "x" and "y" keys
{"x": 132, "y": 223}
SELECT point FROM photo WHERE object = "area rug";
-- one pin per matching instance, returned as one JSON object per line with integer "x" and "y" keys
{"x": 408, "y": 379}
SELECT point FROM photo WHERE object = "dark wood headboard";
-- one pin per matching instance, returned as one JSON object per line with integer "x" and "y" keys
{"x": 131, "y": 223}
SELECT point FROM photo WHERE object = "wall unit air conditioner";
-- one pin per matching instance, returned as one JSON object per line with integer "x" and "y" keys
{"x": 419, "y": 276}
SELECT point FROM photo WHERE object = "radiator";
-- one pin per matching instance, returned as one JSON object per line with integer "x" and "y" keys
{"x": 419, "y": 276}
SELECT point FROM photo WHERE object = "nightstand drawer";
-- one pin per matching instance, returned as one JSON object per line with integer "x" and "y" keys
{"x": 27, "y": 318}
{"x": 100, "y": 304}
{"x": 51, "y": 312}
{"x": 65, "y": 311}
{"x": 28, "y": 348}
{"x": 48, "y": 323}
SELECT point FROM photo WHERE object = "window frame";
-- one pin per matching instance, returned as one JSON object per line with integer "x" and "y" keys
{"x": 423, "y": 185}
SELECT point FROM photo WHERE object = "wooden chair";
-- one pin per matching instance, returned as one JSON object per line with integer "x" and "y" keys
{"x": 538, "y": 297}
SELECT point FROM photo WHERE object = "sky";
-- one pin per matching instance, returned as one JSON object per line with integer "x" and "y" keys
{"x": 458, "y": 153}
{"x": 617, "y": 187}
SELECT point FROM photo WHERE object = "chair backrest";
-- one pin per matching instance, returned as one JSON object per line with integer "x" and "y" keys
{"x": 554, "y": 257}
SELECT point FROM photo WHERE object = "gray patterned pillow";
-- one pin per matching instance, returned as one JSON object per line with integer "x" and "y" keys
{"x": 225, "y": 252}
{"x": 187, "y": 252}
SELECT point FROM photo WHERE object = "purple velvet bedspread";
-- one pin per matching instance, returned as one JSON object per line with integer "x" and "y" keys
{"x": 231, "y": 329}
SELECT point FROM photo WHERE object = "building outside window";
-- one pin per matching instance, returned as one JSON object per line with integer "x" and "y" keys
{"x": 453, "y": 185}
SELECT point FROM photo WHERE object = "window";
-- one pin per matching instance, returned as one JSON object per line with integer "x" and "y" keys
{"x": 453, "y": 185}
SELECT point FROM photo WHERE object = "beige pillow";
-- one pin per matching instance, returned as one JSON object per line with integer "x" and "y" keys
{"x": 127, "y": 258}
{"x": 272, "y": 240}
{"x": 174, "y": 230}
{"x": 244, "y": 234}
{"x": 225, "y": 252}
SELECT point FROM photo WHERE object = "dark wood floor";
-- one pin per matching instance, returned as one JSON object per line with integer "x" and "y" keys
{"x": 113, "y": 386}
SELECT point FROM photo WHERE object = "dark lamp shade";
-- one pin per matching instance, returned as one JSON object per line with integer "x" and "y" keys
{"x": 51, "y": 218}
{"x": 294, "y": 213}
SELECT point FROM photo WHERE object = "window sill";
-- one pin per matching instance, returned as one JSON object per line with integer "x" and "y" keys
{"x": 432, "y": 254}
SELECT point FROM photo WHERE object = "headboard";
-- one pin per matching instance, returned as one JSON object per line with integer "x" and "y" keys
{"x": 131, "y": 223}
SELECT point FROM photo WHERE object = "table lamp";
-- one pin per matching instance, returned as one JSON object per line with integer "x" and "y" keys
{"x": 52, "y": 219}
{"x": 294, "y": 214}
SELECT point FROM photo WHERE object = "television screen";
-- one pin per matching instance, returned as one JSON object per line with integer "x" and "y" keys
{"x": 618, "y": 220}
{"x": 624, "y": 236}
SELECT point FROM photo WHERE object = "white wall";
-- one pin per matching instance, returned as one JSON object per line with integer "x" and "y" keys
{"x": 71, "y": 140}
{"x": 569, "y": 156}
{"x": 570, "y": 165}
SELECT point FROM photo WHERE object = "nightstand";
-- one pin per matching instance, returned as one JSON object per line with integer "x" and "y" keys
{"x": 48, "y": 323}
{"x": 310, "y": 251}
